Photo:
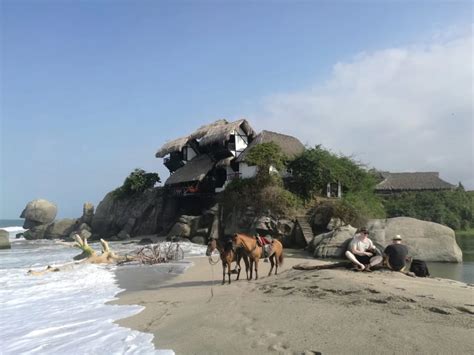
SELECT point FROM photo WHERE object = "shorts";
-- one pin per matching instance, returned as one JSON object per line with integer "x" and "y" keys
{"x": 363, "y": 259}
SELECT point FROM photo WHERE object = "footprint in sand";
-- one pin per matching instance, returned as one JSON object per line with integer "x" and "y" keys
{"x": 249, "y": 330}
{"x": 278, "y": 347}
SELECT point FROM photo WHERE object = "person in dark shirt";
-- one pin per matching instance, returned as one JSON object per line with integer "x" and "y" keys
{"x": 396, "y": 255}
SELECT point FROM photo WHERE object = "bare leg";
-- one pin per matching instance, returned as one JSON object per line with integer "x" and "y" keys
{"x": 375, "y": 260}
{"x": 353, "y": 259}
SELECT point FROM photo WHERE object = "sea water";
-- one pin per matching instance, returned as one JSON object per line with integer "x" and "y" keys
{"x": 67, "y": 311}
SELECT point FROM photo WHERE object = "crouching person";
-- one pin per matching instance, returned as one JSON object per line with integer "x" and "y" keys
{"x": 362, "y": 252}
{"x": 396, "y": 255}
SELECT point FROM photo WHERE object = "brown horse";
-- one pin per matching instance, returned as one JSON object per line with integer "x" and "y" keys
{"x": 255, "y": 252}
{"x": 227, "y": 255}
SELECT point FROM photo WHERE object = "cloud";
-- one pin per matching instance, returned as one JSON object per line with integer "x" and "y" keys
{"x": 397, "y": 109}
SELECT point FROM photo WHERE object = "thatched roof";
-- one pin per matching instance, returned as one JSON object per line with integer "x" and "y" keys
{"x": 194, "y": 170}
{"x": 290, "y": 146}
{"x": 220, "y": 133}
{"x": 412, "y": 181}
{"x": 202, "y": 131}
{"x": 172, "y": 146}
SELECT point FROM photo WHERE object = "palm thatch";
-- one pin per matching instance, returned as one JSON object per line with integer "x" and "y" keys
{"x": 194, "y": 170}
{"x": 202, "y": 131}
{"x": 172, "y": 146}
{"x": 412, "y": 182}
{"x": 220, "y": 133}
{"x": 290, "y": 146}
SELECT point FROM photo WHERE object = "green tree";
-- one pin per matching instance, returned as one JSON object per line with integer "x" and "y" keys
{"x": 264, "y": 156}
{"x": 138, "y": 181}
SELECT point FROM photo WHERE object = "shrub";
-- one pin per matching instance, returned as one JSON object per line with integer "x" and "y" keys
{"x": 138, "y": 181}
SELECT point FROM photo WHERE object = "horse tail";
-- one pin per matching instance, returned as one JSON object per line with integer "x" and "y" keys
{"x": 280, "y": 258}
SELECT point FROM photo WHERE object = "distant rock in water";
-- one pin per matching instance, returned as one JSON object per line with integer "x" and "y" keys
{"x": 38, "y": 212}
{"x": 4, "y": 239}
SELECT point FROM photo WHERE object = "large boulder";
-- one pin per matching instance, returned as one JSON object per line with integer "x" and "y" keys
{"x": 61, "y": 228}
{"x": 37, "y": 232}
{"x": 332, "y": 244}
{"x": 115, "y": 214}
{"x": 428, "y": 241}
{"x": 4, "y": 239}
{"x": 38, "y": 212}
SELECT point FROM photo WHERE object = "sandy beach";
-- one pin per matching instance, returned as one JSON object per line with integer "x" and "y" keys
{"x": 335, "y": 311}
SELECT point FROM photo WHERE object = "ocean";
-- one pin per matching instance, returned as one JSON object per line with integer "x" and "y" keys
{"x": 67, "y": 311}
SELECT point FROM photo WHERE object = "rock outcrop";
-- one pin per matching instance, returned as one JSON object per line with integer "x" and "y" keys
{"x": 124, "y": 217}
{"x": 426, "y": 240}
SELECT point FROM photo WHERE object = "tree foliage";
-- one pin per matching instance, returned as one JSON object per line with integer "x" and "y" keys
{"x": 264, "y": 156}
{"x": 138, "y": 181}
{"x": 262, "y": 195}
{"x": 317, "y": 167}
{"x": 453, "y": 208}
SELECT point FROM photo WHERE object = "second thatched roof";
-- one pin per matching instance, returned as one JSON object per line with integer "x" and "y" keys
{"x": 412, "y": 181}
{"x": 194, "y": 170}
{"x": 290, "y": 146}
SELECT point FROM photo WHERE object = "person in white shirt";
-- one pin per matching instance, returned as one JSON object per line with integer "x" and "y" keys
{"x": 362, "y": 252}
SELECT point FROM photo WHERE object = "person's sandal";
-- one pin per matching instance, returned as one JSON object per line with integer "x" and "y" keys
{"x": 367, "y": 268}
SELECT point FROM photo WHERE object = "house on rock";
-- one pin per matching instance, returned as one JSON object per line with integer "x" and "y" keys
{"x": 205, "y": 161}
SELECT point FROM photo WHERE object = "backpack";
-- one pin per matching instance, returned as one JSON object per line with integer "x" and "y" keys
{"x": 419, "y": 268}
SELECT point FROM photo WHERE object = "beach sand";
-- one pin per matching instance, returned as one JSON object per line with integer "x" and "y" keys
{"x": 335, "y": 311}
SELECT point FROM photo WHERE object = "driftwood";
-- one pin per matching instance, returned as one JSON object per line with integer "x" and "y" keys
{"x": 90, "y": 255}
{"x": 306, "y": 266}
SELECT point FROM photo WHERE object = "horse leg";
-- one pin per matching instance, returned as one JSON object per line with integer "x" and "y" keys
{"x": 223, "y": 272}
{"x": 229, "y": 264}
{"x": 276, "y": 263}
{"x": 271, "y": 263}
{"x": 251, "y": 269}
{"x": 237, "y": 262}
{"x": 256, "y": 269}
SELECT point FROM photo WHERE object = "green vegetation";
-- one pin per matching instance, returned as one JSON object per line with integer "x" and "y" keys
{"x": 316, "y": 167}
{"x": 452, "y": 208}
{"x": 266, "y": 190}
{"x": 138, "y": 181}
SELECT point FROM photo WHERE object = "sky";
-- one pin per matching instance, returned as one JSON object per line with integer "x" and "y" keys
{"x": 90, "y": 90}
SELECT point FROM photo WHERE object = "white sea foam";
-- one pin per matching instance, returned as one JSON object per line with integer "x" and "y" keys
{"x": 13, "y": 231}
{"x": 65, "y": 312}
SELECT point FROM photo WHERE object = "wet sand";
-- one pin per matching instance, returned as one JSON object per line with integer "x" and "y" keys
{"x": 335, "y": 311}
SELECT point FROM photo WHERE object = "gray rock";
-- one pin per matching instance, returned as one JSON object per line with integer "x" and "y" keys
{"x": 114, "y": 213}
{"x": 4, "y": 239}
{"x": 84, "y": 226}
{"x": 181, "y": 230}
{"x": 39, "y": 211}
{"x": 332, "y": 244}
{"x": 60, "y": 228}
{"x": 199, "y": 240}
{"x": 85, "y": 234}
{"x": 87, "y": 213}
{"x": 428, "y": 241}
{"x": 37, "y": 232}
